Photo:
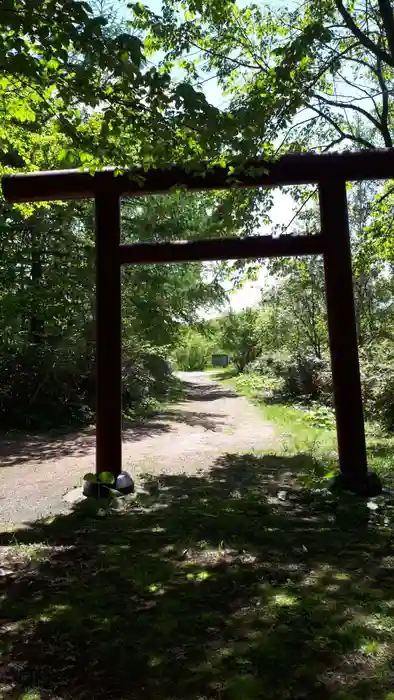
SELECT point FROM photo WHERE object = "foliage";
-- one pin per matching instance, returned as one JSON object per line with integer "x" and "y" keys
{"x": 238, "y": 337}
{"x": 68, "y": 67}
{"x": 313, "y": 73}
{"x": 308, "y": 428}
{"x": 377, "y": 378}
{"x": 289, "y": 327}
{"x": 308, "y": 378}
{"x": 47, "y": 309}
{"x": 193, "y": 353}
{"x": 81, "y": 86}
{"x": 46, "y": 386}
{"x": 295, "y": 376}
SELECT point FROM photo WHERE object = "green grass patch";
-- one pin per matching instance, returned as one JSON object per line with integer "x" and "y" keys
{"x": 223, "y": 372}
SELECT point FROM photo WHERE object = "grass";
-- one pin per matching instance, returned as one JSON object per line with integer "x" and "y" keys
{"x": 212, "y": 588}
{"x": 311, "y": 429}
{"x": 239, "y": 584}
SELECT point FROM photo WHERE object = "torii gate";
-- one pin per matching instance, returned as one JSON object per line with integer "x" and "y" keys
{"x": 329, "y": 171}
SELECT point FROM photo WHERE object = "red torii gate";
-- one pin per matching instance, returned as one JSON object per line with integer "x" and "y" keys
{"x": 329, "y": 171}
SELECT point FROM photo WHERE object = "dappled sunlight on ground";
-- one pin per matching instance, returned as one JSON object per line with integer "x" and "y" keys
{"x": 239, "y": 583}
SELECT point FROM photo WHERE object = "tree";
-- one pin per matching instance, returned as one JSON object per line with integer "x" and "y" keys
{"x": 61, "y": 62}
{"x": 47, "y": 306}
{"x": 239, "y": 337}
{"x": 160, "y": 299}
{"x": 302, "y": 73}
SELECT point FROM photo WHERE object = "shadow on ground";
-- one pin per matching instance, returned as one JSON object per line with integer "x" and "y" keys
{"x": 239, "y": 584}
{"x": 17, "y": 449}
{"x": 207, "y": 392}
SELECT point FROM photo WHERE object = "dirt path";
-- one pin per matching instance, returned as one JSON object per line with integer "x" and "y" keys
{"x": 35, "y": 474}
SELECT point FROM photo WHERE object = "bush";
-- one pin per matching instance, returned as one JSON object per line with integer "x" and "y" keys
{"x": 193, "y": 355}
{"x": 43, "y": 387}
{"x": 273, "y": 363}
{"x": 301, "y": 375}
{"x": 145, "y": 375}
{"x": 305, "y": 376}
{"x": 377, "y": 380}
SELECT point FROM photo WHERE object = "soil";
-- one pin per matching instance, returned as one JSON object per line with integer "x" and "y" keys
{"x": 211, "y": 421}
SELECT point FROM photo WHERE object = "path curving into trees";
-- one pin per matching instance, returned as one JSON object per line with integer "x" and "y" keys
{"x": 188, "y": 437}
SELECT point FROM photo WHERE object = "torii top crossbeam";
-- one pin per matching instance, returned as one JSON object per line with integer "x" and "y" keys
{"x": 292, "y": 169}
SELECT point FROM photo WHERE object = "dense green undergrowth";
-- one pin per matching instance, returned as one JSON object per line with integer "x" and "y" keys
{"x": 45, "y": 388}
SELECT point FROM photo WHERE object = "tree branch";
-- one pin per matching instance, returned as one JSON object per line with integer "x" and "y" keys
{"x": 291, "y": 128}
{"x": 251, "y": 48}
{"x": 363, "y": 38}
{"x": 345, "y": 105}
{"x": 330, "y": 60}
{"x": 216, "y": 54}
{"x": 344, "y": 135}
{"x": 368, "y": 94}
{"x": 386, "y": 194}
{"x": 385, "y": 105}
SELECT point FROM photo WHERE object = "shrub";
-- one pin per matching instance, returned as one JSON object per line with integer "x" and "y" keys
{"x": 44, "y": 387}
{"x": 377, "y": 380}
{"x": 193, "y": 354}
{"x": 301, "y": 375}
{"x": 305, "y": 376}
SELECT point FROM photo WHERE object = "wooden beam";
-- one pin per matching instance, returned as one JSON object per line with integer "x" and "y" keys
{"x": 292, "y": 169}
{"x": 219, "y": 249}
{"x": 108, "y": 336}
{"x": 343, "y": 335}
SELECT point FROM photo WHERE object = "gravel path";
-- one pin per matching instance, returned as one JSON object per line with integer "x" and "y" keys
{"x": 190, "y": 436}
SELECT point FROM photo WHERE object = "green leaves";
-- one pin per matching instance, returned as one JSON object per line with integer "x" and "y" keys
{"x": 106, "y": 478}
{"x": 270, "y": 65}
{"x": 130, "y": 48}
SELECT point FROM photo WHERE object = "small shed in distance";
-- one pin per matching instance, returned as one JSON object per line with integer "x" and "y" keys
{"x": 220, "y": 360}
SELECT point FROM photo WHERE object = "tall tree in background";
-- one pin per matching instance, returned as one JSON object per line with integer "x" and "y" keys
{"x": 302, "y": 73}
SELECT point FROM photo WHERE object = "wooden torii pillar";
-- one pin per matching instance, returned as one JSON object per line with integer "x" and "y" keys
{"x": 329, "y": 171}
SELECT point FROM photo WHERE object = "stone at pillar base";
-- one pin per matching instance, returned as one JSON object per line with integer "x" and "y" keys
{"x": 96, "y": 490}
{"x": 124, "y": 483}
{"x": 367, "y": 487}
